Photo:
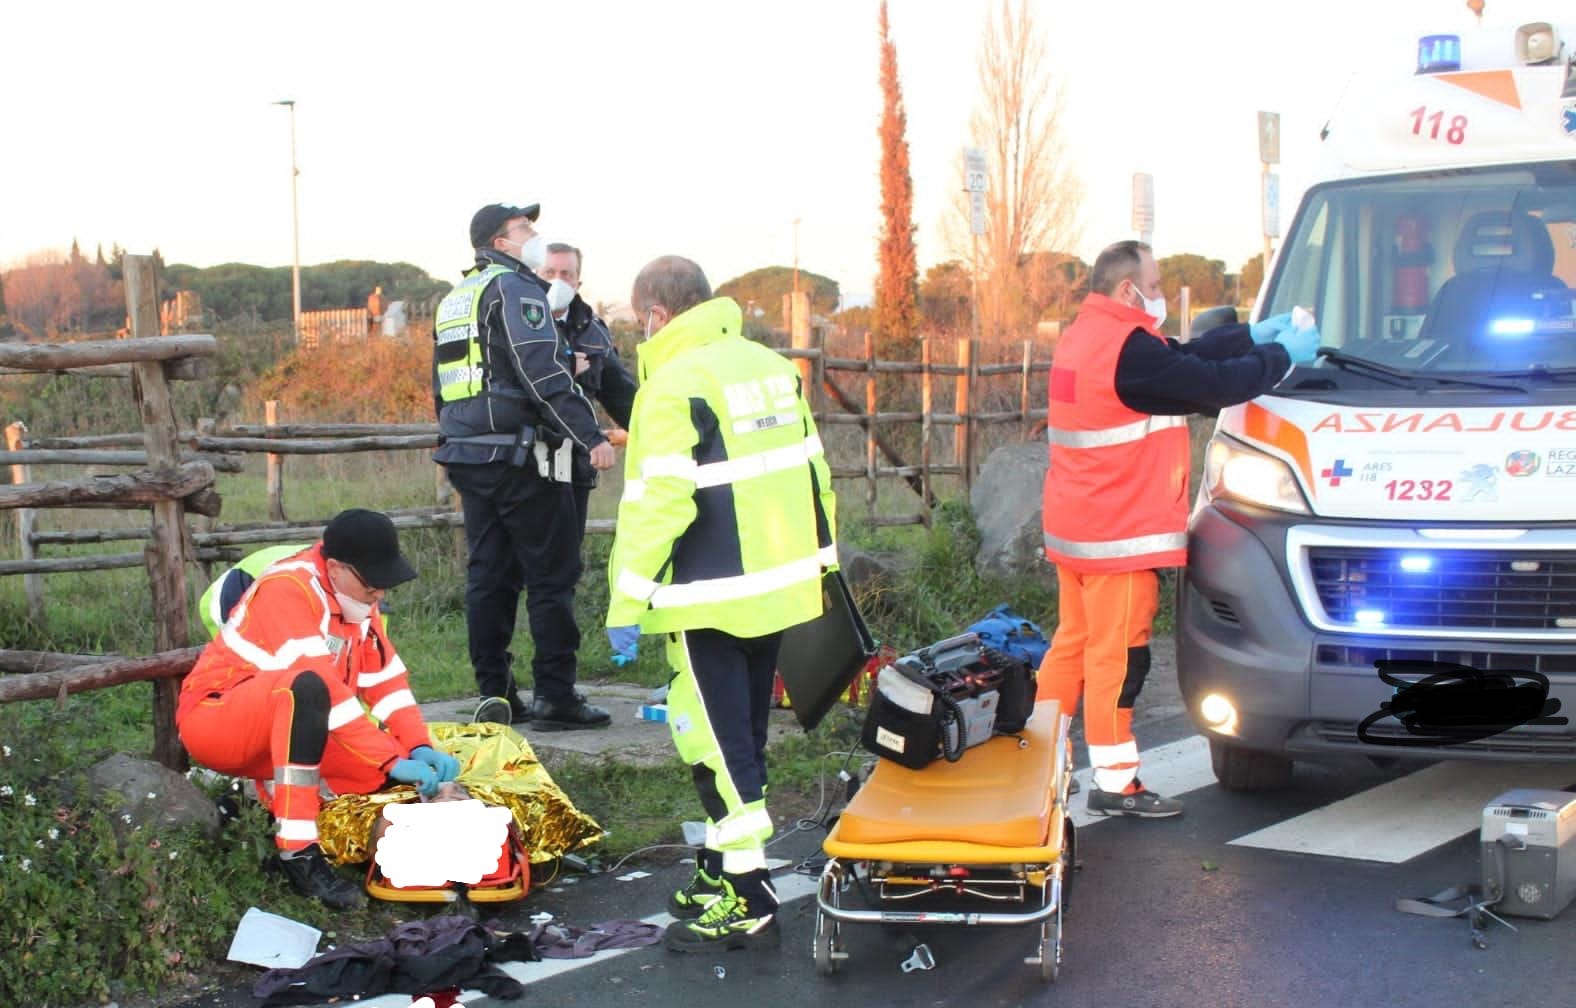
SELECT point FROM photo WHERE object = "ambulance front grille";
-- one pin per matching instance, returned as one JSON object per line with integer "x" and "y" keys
{"x": 1461, "y": 589}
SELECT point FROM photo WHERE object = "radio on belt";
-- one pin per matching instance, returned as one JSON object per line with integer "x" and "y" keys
{"x": 1529, "y": 852}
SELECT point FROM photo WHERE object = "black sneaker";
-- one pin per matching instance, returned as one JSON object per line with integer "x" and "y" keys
{"x": 568, "y": 714}
{"x": 1142, "y": 803}
{"x": 310, "y": 874}
{"x": 519, "y": 710}
{"x": 728, "y": 923}
{"x": 494, "y": 710}
{"x": 702, "y": 891}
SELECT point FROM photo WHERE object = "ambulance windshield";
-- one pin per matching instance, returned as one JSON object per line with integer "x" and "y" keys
{"x": 1467, "y": 270}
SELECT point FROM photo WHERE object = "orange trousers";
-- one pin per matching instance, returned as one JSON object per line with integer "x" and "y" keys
{"x": 1100, "y": 653}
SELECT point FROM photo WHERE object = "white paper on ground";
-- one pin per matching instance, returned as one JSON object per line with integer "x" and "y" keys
{"x": 271, "y": 941}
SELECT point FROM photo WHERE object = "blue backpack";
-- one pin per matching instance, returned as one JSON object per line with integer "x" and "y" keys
{"x": 1012, "y": 635}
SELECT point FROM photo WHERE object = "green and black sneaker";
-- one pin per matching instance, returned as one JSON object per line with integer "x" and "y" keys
{"x": 728, "y": 923}
{"x": 691, "y": 901}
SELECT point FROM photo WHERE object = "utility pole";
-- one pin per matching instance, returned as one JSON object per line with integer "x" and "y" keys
{"x": 1269, "y": 182}
{"x": 295, "y": 229}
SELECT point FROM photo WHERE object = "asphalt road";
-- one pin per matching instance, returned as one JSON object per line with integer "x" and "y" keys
{"x": 1163, "y": 912}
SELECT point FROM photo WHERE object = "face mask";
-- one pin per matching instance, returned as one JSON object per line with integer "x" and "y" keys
{"x": 559, "y": 294}
{"x": 650, "y": 316}
{"x": 1155, "y": 307}
{"x": 354, "y": 610}
{"x": 533, "y": 252}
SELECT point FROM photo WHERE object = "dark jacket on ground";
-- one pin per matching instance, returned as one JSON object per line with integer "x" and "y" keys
{"x": 1218, "y": 369}
{"x": 528, "y": 381}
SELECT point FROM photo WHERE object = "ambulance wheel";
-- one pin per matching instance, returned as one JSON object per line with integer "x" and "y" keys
{"x": 1240, "y": 769}
{"x": 825, "y": 944}
{"x": 1051, "y": 942}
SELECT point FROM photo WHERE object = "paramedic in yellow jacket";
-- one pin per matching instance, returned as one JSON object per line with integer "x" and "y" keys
{"x": 725, "y": 527}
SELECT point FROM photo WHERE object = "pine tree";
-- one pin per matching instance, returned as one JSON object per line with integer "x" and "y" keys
{"x": 897, "y": 286}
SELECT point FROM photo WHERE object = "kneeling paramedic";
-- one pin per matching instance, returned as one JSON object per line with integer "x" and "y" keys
{"x": 277, "y": 696}
{"x": 724, "y": 530}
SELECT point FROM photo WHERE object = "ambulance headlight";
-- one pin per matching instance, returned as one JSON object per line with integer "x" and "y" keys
{"x": 1234, "y": 471}
{"x": 1218, "y": 713}
{"x": 1537, "y": 42}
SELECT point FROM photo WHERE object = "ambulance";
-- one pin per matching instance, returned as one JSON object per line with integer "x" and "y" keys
{"x": 1382, "y": 551}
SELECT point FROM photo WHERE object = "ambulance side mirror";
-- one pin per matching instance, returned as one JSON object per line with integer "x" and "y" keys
{"x": 1213, "y": 318}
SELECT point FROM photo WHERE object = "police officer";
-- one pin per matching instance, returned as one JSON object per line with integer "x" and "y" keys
{"x": 726, "y": 525}
{"x": 512, "y": 422}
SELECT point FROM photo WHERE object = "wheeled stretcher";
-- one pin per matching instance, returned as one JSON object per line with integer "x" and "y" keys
{"x": 985, "y": 840}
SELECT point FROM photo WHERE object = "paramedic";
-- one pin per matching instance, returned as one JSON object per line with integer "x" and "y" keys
{"x": 277, "y": 696}
{"x": 1115, "y": 498}
{"x": 725, "y": 528}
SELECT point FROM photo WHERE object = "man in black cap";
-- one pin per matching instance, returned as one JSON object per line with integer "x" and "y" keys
{"x": 278, "y": 695}
{"x": 512, "y": 422}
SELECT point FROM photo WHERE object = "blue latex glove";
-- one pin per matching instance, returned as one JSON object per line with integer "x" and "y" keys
{"x": 1267, "y": 330}
{"x": 411, "y": 771}
{"x": 625, "y": 642}
{"x": 447, "y": 766}
{"x": 1300, "y": 343}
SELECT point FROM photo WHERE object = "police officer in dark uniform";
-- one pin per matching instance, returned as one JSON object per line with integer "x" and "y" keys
{"x": 513, "y": 422}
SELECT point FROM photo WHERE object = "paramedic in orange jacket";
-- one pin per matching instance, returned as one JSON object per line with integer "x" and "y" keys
{"x": 277, "y": 696}
{"x": 1116, "y": 502}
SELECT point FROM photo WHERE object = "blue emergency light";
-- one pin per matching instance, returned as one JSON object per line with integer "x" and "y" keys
{"x": 1438, "y": 53}
{"x": 1512, "y": 327}
{"x": 1417, "y": 563}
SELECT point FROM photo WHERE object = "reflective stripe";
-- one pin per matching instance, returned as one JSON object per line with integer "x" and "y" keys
{"x": 745, "y": 824}
{"x": 393, "y": 702}
{"x": 343, "y": 713}
{"x": 288, "y": 654}
{"x": 678, "y": 466}
{"x": 392, "y": 670}
{"x": 291, "y": 775}
{"x": 461, "y": 375}
{"x": 762, "y": 423}
{"x": 1121, "y": 754}
{"x": 723, "y": 589}
{"x": 734, "y": 470}
{"x": 1107, "y": 436}
{"x": 298, "y": 829}
{"x": 216, "y": 592}
{"x": 738, "y": 862}
{"x": 1159, "y": 542}
{"x": 711, "y": 837}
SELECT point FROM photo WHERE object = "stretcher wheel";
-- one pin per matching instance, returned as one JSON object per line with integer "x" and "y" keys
{"x": 1050, "y": 941}
{"x": 825, "y": 944}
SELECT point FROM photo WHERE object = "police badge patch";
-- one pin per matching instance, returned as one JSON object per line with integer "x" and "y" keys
{"x": 533, "y": 311}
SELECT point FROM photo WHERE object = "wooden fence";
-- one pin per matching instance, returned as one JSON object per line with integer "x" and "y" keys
{"x": 181, "y": 466}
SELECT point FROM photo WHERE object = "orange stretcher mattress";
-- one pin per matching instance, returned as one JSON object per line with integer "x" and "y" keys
{"x": 997, "y": 804}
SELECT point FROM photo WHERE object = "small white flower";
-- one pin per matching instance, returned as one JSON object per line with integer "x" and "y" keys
{"x": 173, "y": 853}
{"x": 30, "y": 801}
{"x": 39, "y": 844}
{"x": 151, "y": 795}
{"x": 54, "y": 834}
{"x": 126, "y": 817}
{"x": 27, "y": 864}
{"x": 6, "y": 750}
{"x": 5, "y": 791}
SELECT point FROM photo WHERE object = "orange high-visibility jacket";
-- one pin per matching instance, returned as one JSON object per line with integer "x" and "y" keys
{"x": 289, "y": 621}
{"x": 1116, "y": 491}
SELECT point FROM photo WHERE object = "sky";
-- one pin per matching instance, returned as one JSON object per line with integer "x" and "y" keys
{"x": 702, "y": 128}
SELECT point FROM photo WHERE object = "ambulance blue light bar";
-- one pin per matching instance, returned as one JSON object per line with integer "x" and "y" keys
{"x": 1438, "y": 53}
{"x": 1369, "y": 617}
{"x": 1512, "y": 327}
{"x": 1417, "y": 563}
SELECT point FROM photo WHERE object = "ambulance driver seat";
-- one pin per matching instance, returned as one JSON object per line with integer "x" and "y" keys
{"x": 1502, "y": 258}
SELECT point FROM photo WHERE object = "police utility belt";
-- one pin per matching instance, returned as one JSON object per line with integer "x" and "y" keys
{"x": 942, "y": 700}
{"x": 554, "y": 463}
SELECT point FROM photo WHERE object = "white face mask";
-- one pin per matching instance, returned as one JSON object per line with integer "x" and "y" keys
{"x": 354, "y": 610}
{"x": 1154, "y": 306}
{"x": 649, "y": 316}
{"x": 559, "y": 294}
{"x": 533, "y": 252}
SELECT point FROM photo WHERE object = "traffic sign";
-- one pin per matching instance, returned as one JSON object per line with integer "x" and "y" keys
{"x": 976, "y": 213}
{"x": 1271, "y": 205}
{"x": 1269, "y": 137}
{"x": 975, "y": 177}
{"x": 1143, "y": 203}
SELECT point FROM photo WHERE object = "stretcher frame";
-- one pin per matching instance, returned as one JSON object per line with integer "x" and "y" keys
{"x": 1037, "y": 878}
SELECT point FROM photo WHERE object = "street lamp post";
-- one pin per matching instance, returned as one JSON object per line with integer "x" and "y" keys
{"x": 295, "y": 230}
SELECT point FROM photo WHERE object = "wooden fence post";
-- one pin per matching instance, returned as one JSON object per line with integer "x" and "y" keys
{"x": 870, "y": 424}
{"x": 925, "y": 428}
{"x": 275, "y": 468}
{"x": 963, "y": 435}
{"x": 1023, "y": 389}
{"x": 32, "y": 584}
{"x": 165, "y": 554}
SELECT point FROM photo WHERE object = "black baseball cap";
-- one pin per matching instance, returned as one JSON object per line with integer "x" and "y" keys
{"x": 486, "y": 221}
{"x": 367, "y": 541}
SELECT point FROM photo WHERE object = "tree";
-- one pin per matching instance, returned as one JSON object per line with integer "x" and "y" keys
{"x": 764, "y": 289}
{"x": 896, "y": 306}
{"x": 1251, "y": 277}
{"x": 1032, "y": 197}
{"x": 944, "y": 297}
{"x": 1204, "y": 278}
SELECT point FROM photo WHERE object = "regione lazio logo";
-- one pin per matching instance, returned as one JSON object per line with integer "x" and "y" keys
{"x": 1521, "y": 463}
{"x": 533, "y": 311}
{"x": 1337, "y": 472}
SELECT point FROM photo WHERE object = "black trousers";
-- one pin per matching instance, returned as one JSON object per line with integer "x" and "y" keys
{"x": 523, "y": 533}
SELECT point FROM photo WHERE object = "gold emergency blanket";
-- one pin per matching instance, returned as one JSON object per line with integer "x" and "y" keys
{"x": 497, "y": 766}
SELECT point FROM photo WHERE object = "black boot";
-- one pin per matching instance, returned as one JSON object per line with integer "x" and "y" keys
{"x": 312, "y": 876}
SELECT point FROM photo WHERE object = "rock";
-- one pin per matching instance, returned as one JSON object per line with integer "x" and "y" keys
{"x": 861, "y": 568}
{"x": 1006, "y": 505}
{"x": 152, "y": 794}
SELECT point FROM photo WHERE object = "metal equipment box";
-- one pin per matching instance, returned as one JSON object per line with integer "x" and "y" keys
{"x": 1528, "y": 848}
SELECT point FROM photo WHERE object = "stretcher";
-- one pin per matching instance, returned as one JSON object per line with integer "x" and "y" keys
{"x": 935, "y": 845}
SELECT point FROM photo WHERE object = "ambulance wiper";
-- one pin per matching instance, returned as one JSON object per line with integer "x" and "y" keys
{"x": 1556, "y": 375}
{"x": 1408, "y": 379}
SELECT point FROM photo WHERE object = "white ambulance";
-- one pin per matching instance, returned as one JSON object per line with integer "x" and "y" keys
{"x": 1410, "y": 497}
